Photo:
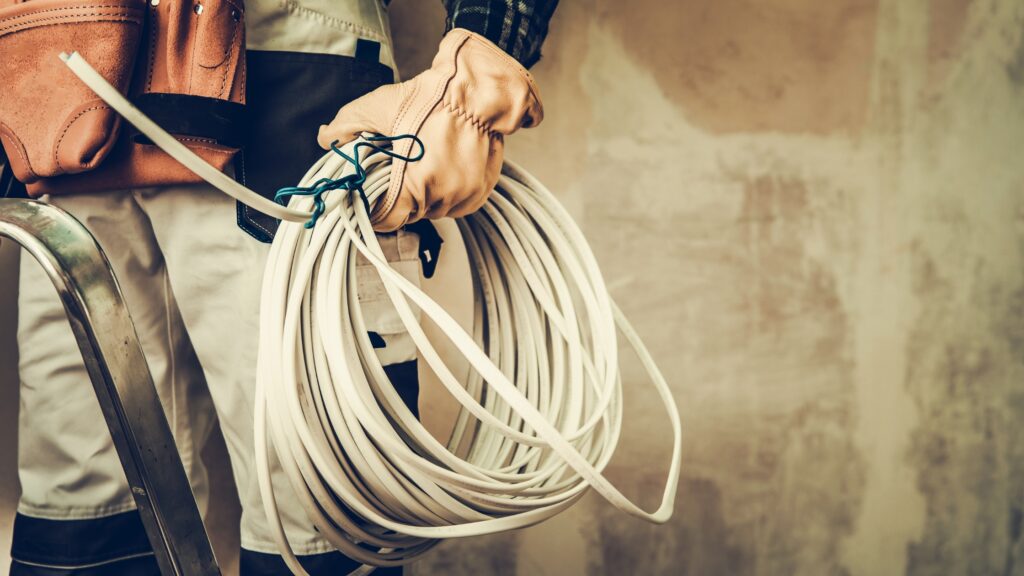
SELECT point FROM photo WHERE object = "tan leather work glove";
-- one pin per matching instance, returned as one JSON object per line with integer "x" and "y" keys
{"x": 461, "y": 109}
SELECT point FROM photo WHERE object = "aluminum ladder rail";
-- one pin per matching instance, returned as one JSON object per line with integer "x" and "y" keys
{"x": 124, "y": 386}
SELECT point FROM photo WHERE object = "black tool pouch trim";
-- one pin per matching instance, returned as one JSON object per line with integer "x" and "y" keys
{"x": 193, "y": 116}
{"x": 10, "y": 187}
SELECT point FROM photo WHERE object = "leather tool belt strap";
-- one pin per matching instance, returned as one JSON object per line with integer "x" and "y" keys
{"x": 181, "y": 61}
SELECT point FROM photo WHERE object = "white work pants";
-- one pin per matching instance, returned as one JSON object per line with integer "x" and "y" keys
{"x": 191, "y": 280}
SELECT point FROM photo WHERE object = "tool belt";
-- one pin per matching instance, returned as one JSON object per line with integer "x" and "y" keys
{"x": 181, "y": 61}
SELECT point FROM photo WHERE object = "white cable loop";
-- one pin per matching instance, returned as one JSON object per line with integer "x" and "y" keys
{"x": 541, "y": 411}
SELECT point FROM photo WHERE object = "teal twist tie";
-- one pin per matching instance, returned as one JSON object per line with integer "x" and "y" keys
{"x": 352, "y": 182}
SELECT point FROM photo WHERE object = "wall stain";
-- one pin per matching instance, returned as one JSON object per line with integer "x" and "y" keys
{"x": 1015, "y": 67}
{"x": 968, "y": 443}
{"x": 947, "y": 20}
{"x": 567, "y": 107}
{"x": 496, "y": 554}
{"x": 772, "y": 208}
{"x": 744, "y": 65}
{"x": 1010, "y": 327}
{"x": 781, "y": 339}
{"x": 701, "y": 542}
{"x": 1016, "y": 516}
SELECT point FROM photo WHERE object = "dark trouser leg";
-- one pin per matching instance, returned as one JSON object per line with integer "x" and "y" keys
{"x": 329, "y": 564}
{"x": 109, "y": 546}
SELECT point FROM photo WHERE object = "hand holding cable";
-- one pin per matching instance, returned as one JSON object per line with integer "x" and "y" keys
{"x": 541, "y": 408}
{"x": 473, "y": 95}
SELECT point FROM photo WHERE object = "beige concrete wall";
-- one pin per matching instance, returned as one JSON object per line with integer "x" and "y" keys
{"x": 814, "y": 214}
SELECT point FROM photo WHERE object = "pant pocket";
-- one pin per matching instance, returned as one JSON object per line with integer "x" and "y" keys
{"x": 388, "y": 333}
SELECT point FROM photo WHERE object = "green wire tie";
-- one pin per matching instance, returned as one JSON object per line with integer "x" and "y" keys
{"x": 353, "y": 182}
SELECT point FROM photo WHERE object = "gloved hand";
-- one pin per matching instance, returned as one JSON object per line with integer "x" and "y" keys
{"x": 461, "y": 109}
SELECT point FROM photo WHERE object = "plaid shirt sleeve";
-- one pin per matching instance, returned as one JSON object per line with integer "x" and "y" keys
{"x": 517, "y": 26}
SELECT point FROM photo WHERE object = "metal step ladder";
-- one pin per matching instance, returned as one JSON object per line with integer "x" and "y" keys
{"x": 124, "y": 386}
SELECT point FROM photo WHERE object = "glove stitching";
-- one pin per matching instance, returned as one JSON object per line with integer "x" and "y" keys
{"x": 32, "y": 13}
{"x": 106, "y": 17}
{"x": 476, "y": 121}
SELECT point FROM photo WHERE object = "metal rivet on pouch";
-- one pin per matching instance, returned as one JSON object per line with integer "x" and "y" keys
{"x": 198, "y": 9}
{"x": 154, "y": 2}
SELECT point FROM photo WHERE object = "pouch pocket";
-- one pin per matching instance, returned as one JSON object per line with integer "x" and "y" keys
{"x": 50, "y": 122}
{"x": 191, "y": 80}
{"x": 214, "y": 64}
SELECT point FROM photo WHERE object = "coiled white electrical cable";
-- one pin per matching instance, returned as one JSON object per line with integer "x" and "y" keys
{"x": 541, "y": 411}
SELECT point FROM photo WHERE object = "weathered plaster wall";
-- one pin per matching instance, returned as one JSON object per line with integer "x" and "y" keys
{"x": 814, "y": 214}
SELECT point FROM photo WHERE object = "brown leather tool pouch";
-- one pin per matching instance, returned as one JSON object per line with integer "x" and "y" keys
{"x": 50, "y": 123}
{"x": 187, "y": 73}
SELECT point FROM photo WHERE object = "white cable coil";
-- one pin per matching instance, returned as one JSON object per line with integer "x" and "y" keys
{"x": 541, "y": 410}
